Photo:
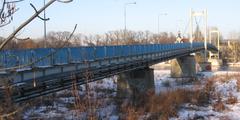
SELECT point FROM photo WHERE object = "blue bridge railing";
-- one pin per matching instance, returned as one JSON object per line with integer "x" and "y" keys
{"x": 13, "y": 58}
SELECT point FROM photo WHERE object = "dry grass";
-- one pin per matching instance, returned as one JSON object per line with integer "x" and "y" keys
{"x": 132, "y": 113}
{"x": 8, "y": 109}
{"x": 232, "y": 99}
{"x": 238, "y": 83}
{"x": 167, "y": 104}
{"x": 226, "y": 77}
{"x": 219, "y": 105}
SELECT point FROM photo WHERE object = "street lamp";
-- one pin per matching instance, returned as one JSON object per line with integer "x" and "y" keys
{"x": 125, "y": 17}
{"x": 45, "y": 26}
{"x": 161, "y": 14}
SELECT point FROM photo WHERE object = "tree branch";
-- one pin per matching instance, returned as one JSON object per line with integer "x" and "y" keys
{"x": 67, "y": 1}
{"x": 22, "y": 39}
{"x": 3, "y": 6}
{"x": 6, "y": 13}
{"x": 2, "y": 25}
{"x": 11, "y": 36}
{"x": 38, "y": 13}
{"x": 15, "y": 1}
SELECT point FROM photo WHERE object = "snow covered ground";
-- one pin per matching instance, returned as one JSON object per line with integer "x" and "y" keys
{"x": 63, "y": 107}
{"x": 226, "y": 89}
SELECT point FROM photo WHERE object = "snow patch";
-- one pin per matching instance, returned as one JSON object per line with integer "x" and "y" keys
{"x": 227, "y": 88}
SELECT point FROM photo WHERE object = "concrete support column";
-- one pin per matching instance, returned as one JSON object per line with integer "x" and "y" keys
{"x": 183, "y": 67}
{"x": 135, "y": 83}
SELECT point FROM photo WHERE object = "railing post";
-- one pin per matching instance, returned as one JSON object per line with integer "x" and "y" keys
{"x": 114, "y": 52}
{"x": 164, "y": 50}
{"x": 105, "y": 51}
{"x": 155, "y": 50}
{"x": 69, "y": 57}
{"x": 2, "y": 60}
{"x": 17, "y": 61}
{"x": 5, "y": 62}
{"x": 32, "y": 60}
{"x": 52, "y": 58}
{"x": 130, "y": 51}
{"x": 94, "y": 53}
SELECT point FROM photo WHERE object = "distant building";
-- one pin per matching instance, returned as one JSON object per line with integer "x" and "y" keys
{"x": 179, "y": 38}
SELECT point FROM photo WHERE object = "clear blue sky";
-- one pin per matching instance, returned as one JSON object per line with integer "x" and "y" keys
{"x": 100, "y": 16}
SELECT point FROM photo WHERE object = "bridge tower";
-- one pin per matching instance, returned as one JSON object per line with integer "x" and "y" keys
{"x": 204, "y": 64}
{"x": 214, "y": 38}
{"x": 186, "y": 66}
{"x": 203, "y": 14}
{"x": 217, "y": 43}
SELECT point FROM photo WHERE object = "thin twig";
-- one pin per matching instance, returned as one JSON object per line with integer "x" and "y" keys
{"x": 34, "y": 8}
{"x": 11, "y": 36}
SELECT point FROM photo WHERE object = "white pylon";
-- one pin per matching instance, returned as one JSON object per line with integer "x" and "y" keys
{"x": 201, "y": 14}
{"x": 218, "y": 40}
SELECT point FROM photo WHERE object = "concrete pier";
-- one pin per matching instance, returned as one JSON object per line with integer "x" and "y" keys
{"x": 183, "y": 67}
{"x": 132, "y": 84}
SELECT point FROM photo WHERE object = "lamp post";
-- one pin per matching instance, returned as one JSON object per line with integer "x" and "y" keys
{"x": 125, "y": 17}
{"x": 45, "y": 26}
{"x": 161, "y": 14}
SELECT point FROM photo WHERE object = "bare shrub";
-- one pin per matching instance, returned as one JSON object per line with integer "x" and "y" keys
{"x": 219, "y": 105}
{"x": 232, "y": 99}
{"x": 132, "y": 113}
{"x": 167, "y": 104}
{"x": 203, "y": 96}
{"x": 238, "y": 84}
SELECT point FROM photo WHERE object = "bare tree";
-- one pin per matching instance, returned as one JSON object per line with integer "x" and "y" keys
{"x": 37, "y": 12}
{"x": 8, "y": 8}
{"x": 77, "y": 40}
{"x": 56, "y": 39}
